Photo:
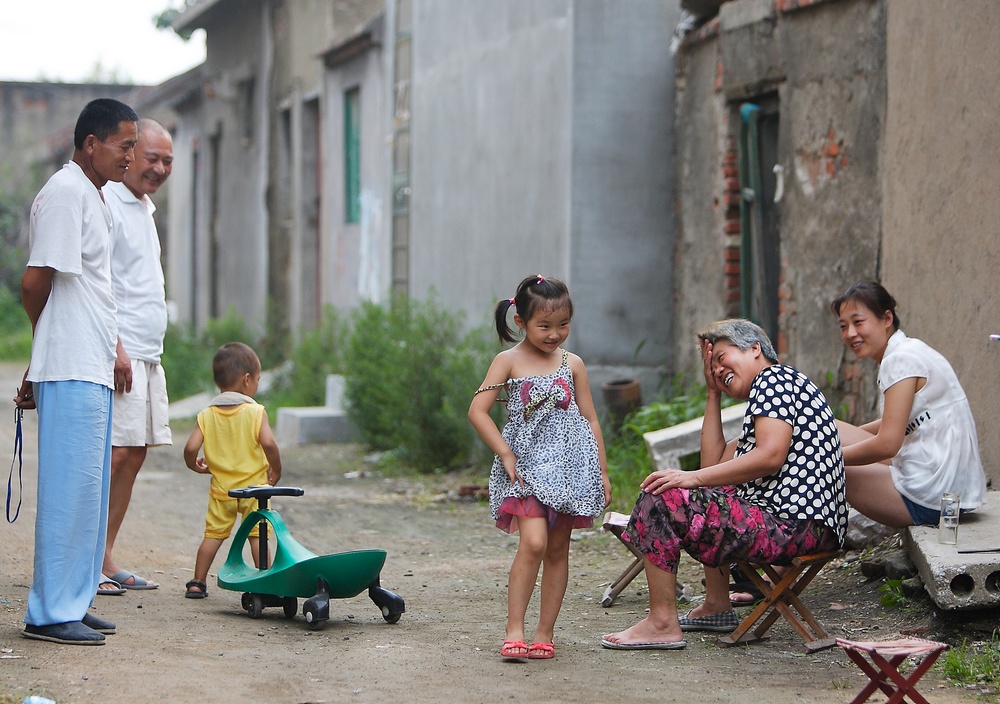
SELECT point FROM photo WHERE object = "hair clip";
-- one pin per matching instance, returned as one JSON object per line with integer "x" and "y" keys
{"x": 511, "y": 301}
{"x": 540, "y": 278}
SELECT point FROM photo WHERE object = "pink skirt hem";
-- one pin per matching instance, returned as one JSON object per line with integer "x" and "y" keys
{"x": 531, "y": 507}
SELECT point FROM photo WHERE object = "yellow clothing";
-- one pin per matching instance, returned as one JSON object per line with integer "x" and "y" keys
{"x": 232, "y": 446}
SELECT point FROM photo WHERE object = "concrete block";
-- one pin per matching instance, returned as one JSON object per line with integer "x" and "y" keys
{"x": 318, "y": 424}
{"x": 955, "y": 578}
{"x": 667, "y": 446}
{"x": 314, "y": 424}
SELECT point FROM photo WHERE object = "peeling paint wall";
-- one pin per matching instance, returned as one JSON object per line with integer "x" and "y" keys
{"x": 941, "y": 245}
{"x": 823, "y": 64}
{"x": 888, "y": 140}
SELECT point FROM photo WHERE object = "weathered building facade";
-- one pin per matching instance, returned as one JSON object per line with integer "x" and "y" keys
{"x": 825, "y": 142}
{"x": 338, "y": 152}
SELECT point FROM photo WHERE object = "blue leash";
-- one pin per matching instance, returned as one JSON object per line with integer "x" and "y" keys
{"x": 18, "y": 414}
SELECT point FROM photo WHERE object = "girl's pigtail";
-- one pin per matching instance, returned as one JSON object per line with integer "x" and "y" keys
{"x": 500, "y": 318}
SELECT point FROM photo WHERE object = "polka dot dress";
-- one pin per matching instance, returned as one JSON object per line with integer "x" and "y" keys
{"x": 810, "y": 483}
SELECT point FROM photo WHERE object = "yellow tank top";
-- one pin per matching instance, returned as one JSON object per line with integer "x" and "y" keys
{"x": 232, "y": 446}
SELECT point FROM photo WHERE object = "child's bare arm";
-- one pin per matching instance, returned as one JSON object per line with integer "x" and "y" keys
{"x": 191, "y": 458}
{"x": 270, "y": 447}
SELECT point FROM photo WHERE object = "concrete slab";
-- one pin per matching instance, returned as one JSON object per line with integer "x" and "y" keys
{"x": 667, "y": 446}
{"x": 317, "y": 424}
{"x": 314, "y": 424}
{"x": 955, "y": 576}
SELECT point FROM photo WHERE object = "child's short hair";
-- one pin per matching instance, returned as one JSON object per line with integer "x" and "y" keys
{"x": 231, "y": 361}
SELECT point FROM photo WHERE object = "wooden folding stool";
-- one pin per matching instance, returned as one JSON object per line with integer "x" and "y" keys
{"x": 615, "y": 524}
{"x": 887, "y": 656}
{"x": 781, "y": 599}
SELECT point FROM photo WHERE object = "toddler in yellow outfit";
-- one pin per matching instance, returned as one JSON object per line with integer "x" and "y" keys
{"x": 239, "y": 451}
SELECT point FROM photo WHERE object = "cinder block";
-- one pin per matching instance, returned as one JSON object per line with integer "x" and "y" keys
{"x": 961, "y": 580}
{"x": 667, "y": 446}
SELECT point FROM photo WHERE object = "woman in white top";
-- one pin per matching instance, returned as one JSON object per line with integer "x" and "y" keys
{"x": 924, "y": 444}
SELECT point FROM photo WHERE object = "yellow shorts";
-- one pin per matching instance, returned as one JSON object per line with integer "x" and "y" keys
{"x": 221, "y": 516}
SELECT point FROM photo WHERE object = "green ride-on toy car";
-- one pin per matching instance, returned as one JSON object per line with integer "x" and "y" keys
{"x": 297, "y": 572}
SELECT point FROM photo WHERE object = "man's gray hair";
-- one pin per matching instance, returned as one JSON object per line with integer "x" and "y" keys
{"x": 740, "y": 333}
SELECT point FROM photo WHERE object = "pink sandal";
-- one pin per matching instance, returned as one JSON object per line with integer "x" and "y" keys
{"x": 510, "y": 648}
{"x": 541, "y": 651}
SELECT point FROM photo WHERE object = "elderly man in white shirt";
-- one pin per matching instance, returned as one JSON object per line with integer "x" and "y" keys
{"x": 140, "y": 417}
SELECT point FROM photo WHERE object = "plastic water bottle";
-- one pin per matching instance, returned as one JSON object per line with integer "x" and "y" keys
{"x": 948, "y": 526}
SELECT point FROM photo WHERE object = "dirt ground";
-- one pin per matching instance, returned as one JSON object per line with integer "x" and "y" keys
{"x": 450, "y": 564}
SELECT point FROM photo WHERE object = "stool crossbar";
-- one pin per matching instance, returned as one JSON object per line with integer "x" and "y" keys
{"x": 883, "y": 671}
{"x": 782, "y": 599}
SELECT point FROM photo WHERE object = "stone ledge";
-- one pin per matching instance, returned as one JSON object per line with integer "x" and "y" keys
{"x": 667, "y": 446}
{"x": 961, "y": 580}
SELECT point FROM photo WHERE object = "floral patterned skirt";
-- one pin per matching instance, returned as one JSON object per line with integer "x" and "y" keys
{"x": 513, "y": 507}
{"x": 716, "y": 527}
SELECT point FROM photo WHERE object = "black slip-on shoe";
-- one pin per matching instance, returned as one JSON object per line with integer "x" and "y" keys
{"x": 99, "y": 624}
{"x": 70, "y": 633}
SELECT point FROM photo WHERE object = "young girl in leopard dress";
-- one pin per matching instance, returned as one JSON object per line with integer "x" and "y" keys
{"x": 549, "y": 475}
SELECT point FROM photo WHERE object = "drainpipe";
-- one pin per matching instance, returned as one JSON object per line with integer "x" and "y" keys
{"x": 750, "y": 216}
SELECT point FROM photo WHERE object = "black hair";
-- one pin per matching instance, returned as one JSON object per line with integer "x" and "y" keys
{"x": 534, "y": 293}
{"x": 873, "y": 296}
{"x": 231, "y": 361}
{"x": 101, "y": 118}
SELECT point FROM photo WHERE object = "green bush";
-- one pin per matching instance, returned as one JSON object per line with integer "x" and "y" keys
{"x": 409, "y": 377}
{"x": 303, "y": 382}
{"x": 15, "y": 343}
{"x": 187, "y": 354}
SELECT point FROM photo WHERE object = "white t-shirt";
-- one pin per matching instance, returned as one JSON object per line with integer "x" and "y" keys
{"x": 136, "y": 274}
{"x": 70, "y": 231}
{"x": 940, "y": 452}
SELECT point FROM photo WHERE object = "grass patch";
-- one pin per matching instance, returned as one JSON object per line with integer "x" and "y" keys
{"x": 973, "y": 664}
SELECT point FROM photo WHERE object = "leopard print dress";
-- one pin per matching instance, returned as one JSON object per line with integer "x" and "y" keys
{"x": 556, "y": 450}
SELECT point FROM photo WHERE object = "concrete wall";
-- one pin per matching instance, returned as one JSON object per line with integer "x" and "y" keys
{"x": 941, "y": 251}
{"x": 219, "y": 217}
{"x": 541, "y": 142}
{"x": 825, "y": 66}
{"x": 355, "y": 260}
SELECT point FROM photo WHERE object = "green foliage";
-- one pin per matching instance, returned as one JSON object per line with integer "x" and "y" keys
{"x": 303, "y": 382}
{"x": 165, "y": 20}
{"x": 409, "y": 373}
{"x": 15, "y": 344}
{"x": 973, "y": 663}
{"x": 891, "y": 595}
{"x": 187, "y": 354}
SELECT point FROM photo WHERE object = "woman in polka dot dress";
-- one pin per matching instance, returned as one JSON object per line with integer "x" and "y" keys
{"x": 774, "y": 493}
{"x": 549, "y": 475}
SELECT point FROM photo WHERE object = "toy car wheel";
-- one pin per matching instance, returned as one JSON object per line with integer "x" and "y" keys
{"x": 245, "y": 601}
{"x": 311, "y": 612}
{"x": 256, "y": 607}
{"x": 291, "y": 606}
{"x": 390, "y": 616}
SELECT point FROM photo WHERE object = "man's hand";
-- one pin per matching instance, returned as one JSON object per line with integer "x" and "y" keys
{"x": 25, "y": 397}
{"x": 123, "y": 370}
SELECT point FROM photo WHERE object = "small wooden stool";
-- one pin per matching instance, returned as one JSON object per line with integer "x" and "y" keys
{"x": 780, "y": 599}
{"x": 887, "y": 655}
{"x": 615, "y": 524}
